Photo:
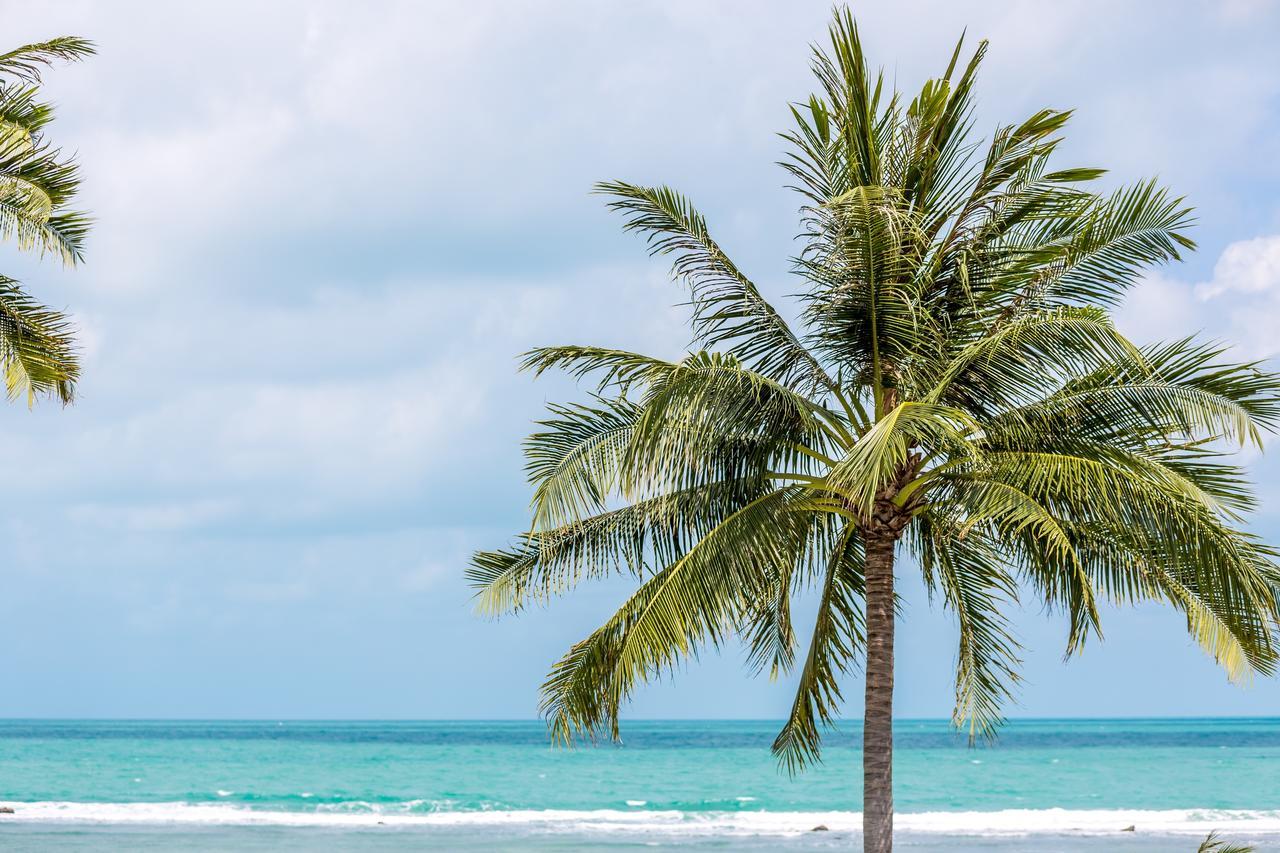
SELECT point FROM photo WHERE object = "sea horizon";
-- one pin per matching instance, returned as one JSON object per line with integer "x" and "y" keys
{"x": 534, "y": 719}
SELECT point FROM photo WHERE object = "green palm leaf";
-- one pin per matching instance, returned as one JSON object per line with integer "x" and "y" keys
{"x": 37, "y": 349}
{"x": 37, "y": 184}
{"x": 727, "y": 306}
{"x": 838, "y": 635}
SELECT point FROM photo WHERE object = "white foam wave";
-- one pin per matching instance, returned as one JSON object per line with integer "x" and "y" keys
{"x": 1010, "y": 822}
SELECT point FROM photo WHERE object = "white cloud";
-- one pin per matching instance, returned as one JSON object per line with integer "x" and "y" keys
{"x": 1247, "y": 266}
{"x": 1239, "y": 305}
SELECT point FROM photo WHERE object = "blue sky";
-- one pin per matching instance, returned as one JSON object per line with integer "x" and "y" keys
{"x": 325, "y": 232}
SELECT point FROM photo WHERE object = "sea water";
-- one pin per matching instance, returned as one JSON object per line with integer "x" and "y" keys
{"x": 1044, "y": 785}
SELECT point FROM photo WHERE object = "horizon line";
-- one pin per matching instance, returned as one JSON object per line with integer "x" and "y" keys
{"x": 1074, "y": 718}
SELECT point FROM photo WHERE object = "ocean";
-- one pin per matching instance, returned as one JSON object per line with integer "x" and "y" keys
{"x": 1045, "y": 785}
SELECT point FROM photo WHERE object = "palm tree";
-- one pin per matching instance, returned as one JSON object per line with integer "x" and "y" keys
{"x": 37, "y": 183}
{"x": 957, "y": 391}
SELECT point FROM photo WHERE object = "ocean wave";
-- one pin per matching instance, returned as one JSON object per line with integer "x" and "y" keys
{"x": 1010, "y": 822}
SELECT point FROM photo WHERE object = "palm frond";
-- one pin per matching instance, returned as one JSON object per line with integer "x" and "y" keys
{"x": 22, "y": 117}
{"x": 884, "y": 454}
{"x": 1106, "y": 250}
{"x": 37, "y": 347}
{"x": 548, "y": 563}
{"x": 1027, "y": 354}
{"x": 29, "y": 61}
{"x": 573, "y": 463}
{"x": 694, "y": 601}
{"x": 727, "y": 307}
{"x": 975, "y": 585}
{"x": 708, "y": 404}
{"x": 620, "y": 369}
{"x": 838, "y": 634}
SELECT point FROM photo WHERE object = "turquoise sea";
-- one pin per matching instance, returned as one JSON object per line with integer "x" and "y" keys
{"x": 267, "y": 785}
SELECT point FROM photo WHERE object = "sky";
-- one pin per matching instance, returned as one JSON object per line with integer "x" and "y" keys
{"x": 324, "y": 231}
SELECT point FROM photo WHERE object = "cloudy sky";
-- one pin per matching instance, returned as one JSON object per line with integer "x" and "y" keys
{"x": 323, "y": 234}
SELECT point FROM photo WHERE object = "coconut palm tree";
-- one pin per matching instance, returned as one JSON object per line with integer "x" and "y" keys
{"x": 954, "y": 391}
{"x": 37, "y": 183}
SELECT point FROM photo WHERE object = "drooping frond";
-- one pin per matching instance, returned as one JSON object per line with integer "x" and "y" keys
{"x": 1183, "y": 384}
{"x": 657, "y": 531}
{"x": 37, "y": 181}
{"x": 975, "y": 585}
{"x": 710, "y": 402}
{"x": 838, "y": 634}
{"x": 37, "y": 348}
{"x": 766, "y": 628}
{"x": 573, "y": 462}
{"x": 690, "y": 603}
{"x": 1125, "y": 515}
{"x": 35, "y": 184}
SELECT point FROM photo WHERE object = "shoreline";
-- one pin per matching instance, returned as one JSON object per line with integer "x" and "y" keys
{"x": 1006, "y": 823}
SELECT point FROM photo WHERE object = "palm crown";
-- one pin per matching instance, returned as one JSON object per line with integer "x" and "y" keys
{"x": 37, "y": 183}
{"x": 955, "y": 387}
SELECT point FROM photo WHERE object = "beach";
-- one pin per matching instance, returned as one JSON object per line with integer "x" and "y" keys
{"x": 1044, "y": 785}
{"x": 259, "y": 839}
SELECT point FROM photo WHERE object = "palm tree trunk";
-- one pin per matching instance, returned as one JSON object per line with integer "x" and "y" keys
{"x": 877, "y": 726}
